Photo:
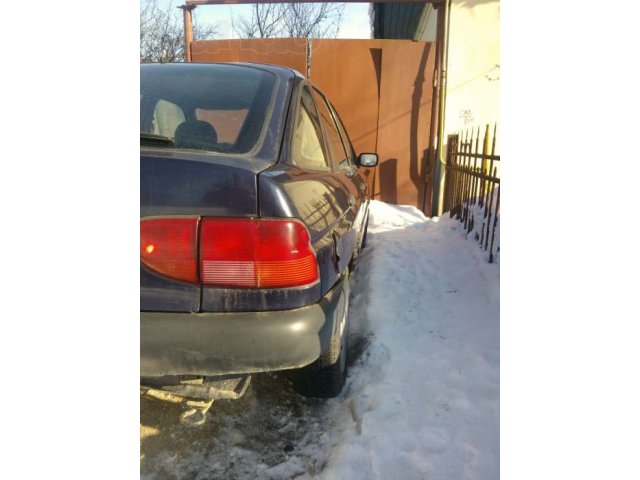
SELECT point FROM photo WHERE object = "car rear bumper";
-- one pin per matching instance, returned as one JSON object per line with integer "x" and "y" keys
{"x": 237, "y": 343}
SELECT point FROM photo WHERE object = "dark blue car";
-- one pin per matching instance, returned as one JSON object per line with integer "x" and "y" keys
{"x": 253, "y": 210}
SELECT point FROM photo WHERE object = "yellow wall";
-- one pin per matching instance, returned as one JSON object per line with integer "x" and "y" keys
{"x": 473, "y": 72}
{"x": 473, "y": 90}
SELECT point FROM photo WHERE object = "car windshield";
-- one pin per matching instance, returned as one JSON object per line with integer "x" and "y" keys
{"x": 214, "y": 107}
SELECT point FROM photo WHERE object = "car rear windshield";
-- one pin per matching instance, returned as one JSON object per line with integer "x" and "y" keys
{"x": 216, "y": 107}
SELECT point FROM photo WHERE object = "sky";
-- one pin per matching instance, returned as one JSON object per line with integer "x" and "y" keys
{"x": 355, "y": 23}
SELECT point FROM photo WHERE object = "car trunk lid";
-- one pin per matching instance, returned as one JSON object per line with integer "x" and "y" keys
{"x": 176, "y": 183}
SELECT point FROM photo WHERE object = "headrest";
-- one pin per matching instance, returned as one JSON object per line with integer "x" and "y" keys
{"x": 196, "y": 134}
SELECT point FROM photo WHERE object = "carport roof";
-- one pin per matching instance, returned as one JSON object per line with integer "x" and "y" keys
{"x": 400, "y": 20}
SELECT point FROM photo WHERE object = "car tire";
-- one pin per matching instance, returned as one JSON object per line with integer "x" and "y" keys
{"x": 325, "y": 377}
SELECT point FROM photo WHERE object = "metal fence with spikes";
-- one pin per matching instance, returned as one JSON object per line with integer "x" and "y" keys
{"x": 472, "y": 186}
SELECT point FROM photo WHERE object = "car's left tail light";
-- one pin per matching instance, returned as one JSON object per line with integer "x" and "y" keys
{"x": 170, "y": 247}
{"x": 230, "y": 252}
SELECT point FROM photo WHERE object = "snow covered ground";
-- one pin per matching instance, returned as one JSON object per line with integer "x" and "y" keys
{"x": 426, "y": 393}
{"x": 422, "y": 397}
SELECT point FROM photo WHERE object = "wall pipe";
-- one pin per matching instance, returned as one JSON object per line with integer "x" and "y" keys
{"x": 442, "y": 103}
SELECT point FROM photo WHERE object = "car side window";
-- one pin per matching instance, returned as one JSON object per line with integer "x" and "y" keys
{"x": 166, "y": 118}
{"x": 307, "y": 150}
{"x": 351, "y": 153}
{"x": 337, "y": 151}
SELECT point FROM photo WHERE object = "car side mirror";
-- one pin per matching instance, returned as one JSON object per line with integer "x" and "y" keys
{"x": 368, "y": 159}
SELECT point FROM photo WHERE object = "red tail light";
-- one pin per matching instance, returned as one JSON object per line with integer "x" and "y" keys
{"x": 169, "y": 246}
{"x": 233, "y": 252}
{"x": 256, "y": 253}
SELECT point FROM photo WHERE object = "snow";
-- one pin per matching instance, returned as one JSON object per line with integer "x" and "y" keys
{"x": 422, "y": 396}
{"x": 424, "y": 399}
{"x": 482, "y": 226}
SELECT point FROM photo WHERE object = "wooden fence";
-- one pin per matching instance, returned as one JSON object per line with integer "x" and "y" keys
{"x": 472, "y": 186}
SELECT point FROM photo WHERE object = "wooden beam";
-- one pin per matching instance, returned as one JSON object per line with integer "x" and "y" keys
{"x": 188, "y": 31}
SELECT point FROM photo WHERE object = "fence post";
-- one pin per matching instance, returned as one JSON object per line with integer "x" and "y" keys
{"x": 485, "y": 151}
{"x": 447, "y": 175}
{"x": 485, "y": 164}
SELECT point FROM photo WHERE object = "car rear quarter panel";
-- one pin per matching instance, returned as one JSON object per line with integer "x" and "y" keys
{"x": 328, "y": 203}
{"x": 321, "y": 202}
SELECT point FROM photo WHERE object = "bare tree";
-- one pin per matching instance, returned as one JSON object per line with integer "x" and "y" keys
{"x": 265, "y": 22}
{"x": 162, "y": 32}
{"x": 313, "y": 20}
{"x": 297, "y": 20}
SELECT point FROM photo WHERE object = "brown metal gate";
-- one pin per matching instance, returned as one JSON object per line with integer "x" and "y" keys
{"x": 287, "y": 52}
{"x": 381, "y": 88}
{"x": 348, "y": 71}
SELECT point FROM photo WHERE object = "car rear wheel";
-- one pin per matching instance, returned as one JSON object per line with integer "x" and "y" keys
{"x": 325, "y": 377}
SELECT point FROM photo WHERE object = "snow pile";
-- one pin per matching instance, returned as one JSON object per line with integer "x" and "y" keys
{"x": 423, "y": 399}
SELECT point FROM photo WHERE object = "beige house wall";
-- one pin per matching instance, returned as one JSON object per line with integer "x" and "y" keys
{"x": 473, "y": 76}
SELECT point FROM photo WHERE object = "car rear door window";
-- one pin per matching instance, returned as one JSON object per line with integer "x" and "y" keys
{"x": 337, "y": 151}
{"x": 307, "y": 150}
{"x": 351, "y": 153}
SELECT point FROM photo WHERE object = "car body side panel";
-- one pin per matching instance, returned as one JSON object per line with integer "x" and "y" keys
{"x": 327, "y": 203}
{"x": 355, "y": 201}
{"x": 321, "y": 202}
